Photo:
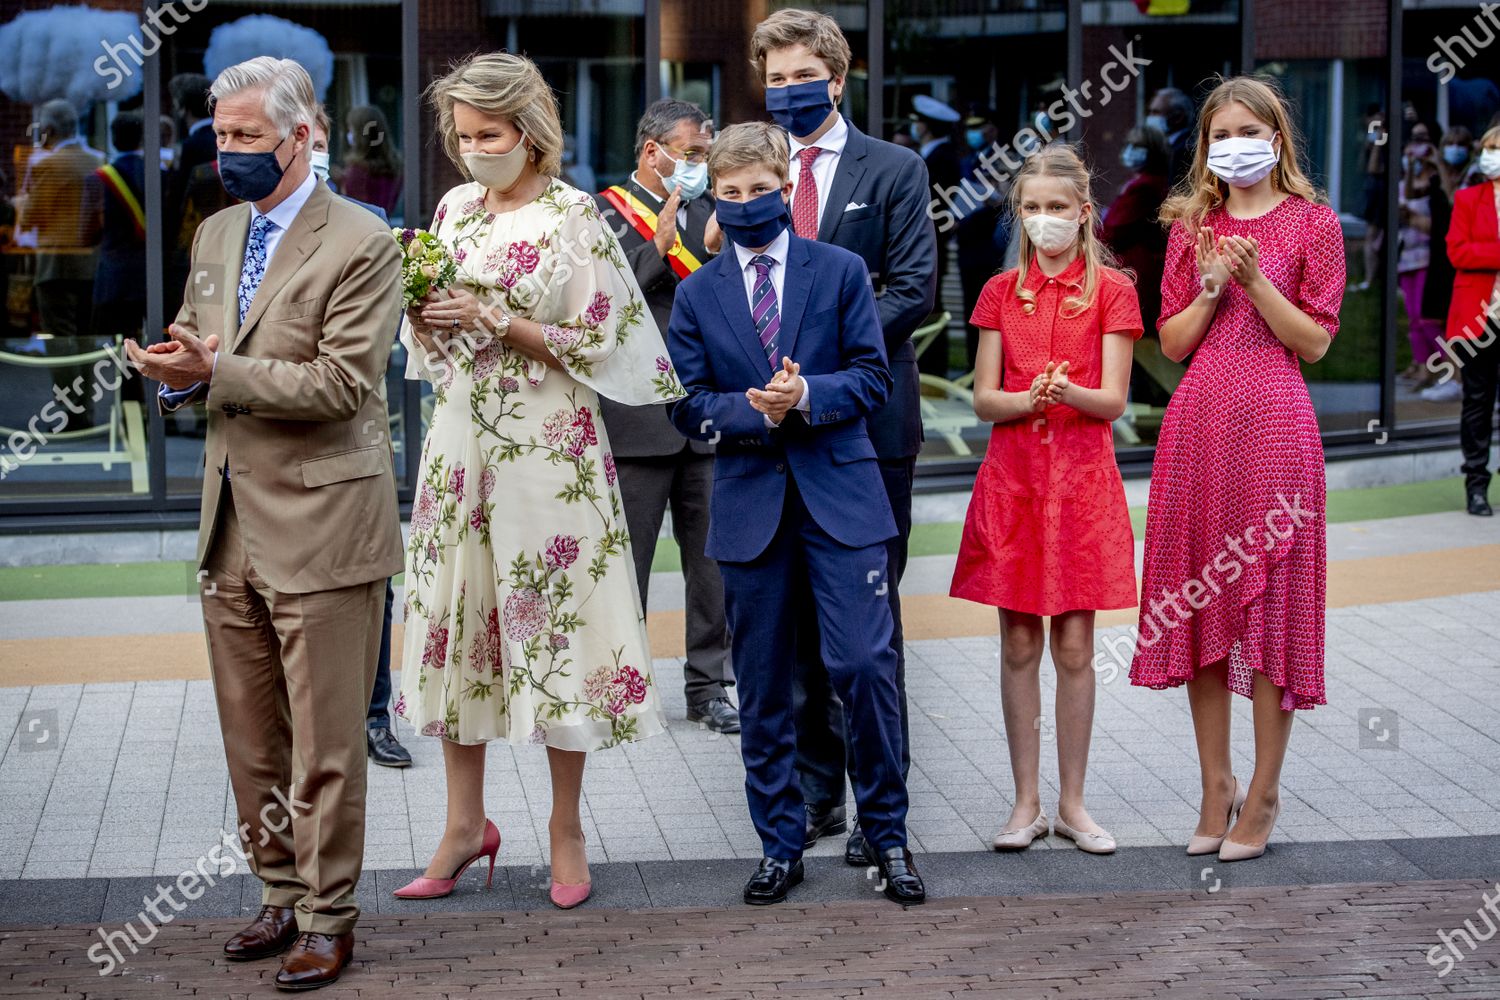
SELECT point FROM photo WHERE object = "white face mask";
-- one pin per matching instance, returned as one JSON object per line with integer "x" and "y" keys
{"x": 689, "y": 178}
{"x": 319, "y": 160}
{"x": 1489, "y": 163}
{"x": 499, "y": 171}
{"x": 1050, "y": 234}
{"x": 1242, "y": 162}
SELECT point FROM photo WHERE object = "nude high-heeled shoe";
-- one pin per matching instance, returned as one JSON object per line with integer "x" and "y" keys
{"x": 1232, "y": 850}
{"x": 1208, "y": 845}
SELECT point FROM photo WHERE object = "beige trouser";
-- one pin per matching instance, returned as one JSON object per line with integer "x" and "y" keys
{"x": 292, "y": 675}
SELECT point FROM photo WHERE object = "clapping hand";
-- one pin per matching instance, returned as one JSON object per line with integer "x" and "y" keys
{"x": 1242, "y": 254}
{"x": 781, "y": 394}
{"x": 1213, "y": 269}
{"x": 178, "y": 363}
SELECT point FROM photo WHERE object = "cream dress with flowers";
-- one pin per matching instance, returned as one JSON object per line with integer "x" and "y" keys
{"x": 523, "y": 619}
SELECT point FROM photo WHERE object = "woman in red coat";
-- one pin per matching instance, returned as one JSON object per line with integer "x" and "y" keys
{"x": 1474, "y": 317}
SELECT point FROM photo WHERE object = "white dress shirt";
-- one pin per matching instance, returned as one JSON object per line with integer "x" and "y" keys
{"x": 832, "y": 145}
{"x": 777, "y": 251}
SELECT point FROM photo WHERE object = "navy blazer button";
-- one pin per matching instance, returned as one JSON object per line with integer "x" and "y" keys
{"x": 780, "y": 466}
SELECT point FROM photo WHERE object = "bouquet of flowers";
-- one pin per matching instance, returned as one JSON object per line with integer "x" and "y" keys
{"x": 426, "y": 265}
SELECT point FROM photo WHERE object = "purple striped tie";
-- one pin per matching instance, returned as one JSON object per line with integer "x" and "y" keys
{"x": 763, "y": 308}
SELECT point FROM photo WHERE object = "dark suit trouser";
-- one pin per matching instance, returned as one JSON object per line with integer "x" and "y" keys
{"x": 683, "y": 482}
{"x": 1476, "y": 424}
{"x": 292, "y": 675}
{"x": 379, "y": 715}
{"x": 824, "y": 747}
{"x": 855, "y": 625}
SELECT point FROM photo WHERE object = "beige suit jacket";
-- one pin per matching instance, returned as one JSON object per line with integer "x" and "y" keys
{"x": 295, "y": 406}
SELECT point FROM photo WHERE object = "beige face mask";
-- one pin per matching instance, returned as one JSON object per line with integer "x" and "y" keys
{"x": 499, "y": 171}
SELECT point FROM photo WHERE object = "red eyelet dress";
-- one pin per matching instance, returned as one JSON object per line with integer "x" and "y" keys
{"x": 1048, "y": 530}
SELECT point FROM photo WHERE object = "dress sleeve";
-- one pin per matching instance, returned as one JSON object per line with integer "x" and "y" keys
{"x": 1179, "y": 278}
{"x": 1120, "y": 306}
{"x": 605, "y": 336}
{"x": 417, "y": 369}
{"x": 1322, "y": 290}
{"x": 987, "y": 310}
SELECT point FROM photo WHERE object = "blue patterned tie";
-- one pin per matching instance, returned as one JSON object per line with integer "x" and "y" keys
{"x": 254, "y": 268}
{"x": 763, "y": 307}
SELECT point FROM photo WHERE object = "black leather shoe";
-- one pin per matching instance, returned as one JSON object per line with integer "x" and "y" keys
{"x": 857, "y": 852}
{"x": 771, "y": 881}
{"x": 1479, "y": 504}
{"x": 384, "y": 749}
{"x": 902, "y": 883}
{"x": 825, "y": 824}
{"x": 717, "y": 714}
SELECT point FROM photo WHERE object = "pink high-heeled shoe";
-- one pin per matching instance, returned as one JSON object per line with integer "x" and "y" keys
{"x": 565, "y": 896}
{"x": 435, "y": 888}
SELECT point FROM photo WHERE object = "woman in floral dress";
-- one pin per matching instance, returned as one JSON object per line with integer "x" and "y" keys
{"x": 523, "y": 621}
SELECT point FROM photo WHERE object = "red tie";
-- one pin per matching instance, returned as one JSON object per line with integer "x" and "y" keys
{"x": 805, "y": 204}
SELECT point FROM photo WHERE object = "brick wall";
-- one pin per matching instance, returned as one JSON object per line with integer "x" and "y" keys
{"x": 1297, "y": 29}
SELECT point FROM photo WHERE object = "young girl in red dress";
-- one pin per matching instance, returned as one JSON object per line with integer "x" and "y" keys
{"x": 1048, "y": 532}
{"x": 1232, "y": 595}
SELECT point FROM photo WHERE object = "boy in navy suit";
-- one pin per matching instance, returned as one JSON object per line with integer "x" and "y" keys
{"x": 779, "y": 347}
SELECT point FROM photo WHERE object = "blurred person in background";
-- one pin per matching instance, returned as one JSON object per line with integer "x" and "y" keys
{"x": 1419, "y": 173}
{"x": 60, "y": 206}
{"x": 1474, "y": 316}
{"x": 983, "y": 232}
{"x": 372, "y": 166}
{"x": 1171, "y": 113}
{"x": 1130, "y": 226}
{"x": 120, "y": 276}
{"x": 1455, "y": 156}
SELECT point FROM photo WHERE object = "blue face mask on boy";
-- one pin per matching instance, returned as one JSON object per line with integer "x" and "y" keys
{"x": 800, "y": 107}
{"x": 753, "y": 223}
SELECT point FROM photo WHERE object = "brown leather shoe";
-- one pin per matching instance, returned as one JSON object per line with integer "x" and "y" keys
{"x": 269, "y": 934}
{"x": 315, "y": 960}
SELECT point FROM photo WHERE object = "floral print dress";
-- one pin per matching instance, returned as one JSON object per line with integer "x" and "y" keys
{"x": 523, "y": 619}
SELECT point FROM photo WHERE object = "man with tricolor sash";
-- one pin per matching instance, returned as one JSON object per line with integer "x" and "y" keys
{"x": 664, "y": 219}
{"x": 120, "y": 274}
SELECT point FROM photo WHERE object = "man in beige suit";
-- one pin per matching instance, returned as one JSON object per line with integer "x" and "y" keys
{"x": 284, "y": 334}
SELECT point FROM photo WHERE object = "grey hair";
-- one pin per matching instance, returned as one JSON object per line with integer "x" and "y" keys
{"x": 286, "y": 90}
{"x": 58, "y": 117}
{"x": 1180, "y": 103}
{"x": 662, "y": 117}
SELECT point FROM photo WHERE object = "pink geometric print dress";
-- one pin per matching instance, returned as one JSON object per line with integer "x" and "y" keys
{"x": 1235, "y": 562}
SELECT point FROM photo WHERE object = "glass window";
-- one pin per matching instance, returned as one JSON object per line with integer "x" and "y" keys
{"x": 1450, "y": 89}
{"x": 356, "y": 67}
{"x": 73, "y": 240}
{"x": 965, "y": 82}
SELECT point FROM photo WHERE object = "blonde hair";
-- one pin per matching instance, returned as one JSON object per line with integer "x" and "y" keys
{"x": 1202, "y": 191}
{"x": 499, "y": 83}
{"x": 819, "y": 32}
{"x": 748, "y": 145}
{"x": 1492, "y": 134}
{"x": 1062, "y": 162}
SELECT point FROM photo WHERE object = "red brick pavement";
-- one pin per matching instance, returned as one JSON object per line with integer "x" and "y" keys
{"x": 1303, "y": 942}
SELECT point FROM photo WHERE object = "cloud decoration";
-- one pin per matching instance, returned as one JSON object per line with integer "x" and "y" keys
{"x": 265, "y": 35}
{"x": 77, "y": 53}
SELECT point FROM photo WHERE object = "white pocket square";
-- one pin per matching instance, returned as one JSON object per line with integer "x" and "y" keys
{"x": 855, "y": 205}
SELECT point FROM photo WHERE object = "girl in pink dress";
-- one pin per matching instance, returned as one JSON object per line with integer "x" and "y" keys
{"x": 1232, "y": 595}
{"x": 1048, "y": 532}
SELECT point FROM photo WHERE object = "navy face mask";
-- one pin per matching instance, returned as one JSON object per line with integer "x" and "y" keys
{"x": 250, "y": 176}
{"x": 800, "y": 107}
{"x": 753, "y": 223}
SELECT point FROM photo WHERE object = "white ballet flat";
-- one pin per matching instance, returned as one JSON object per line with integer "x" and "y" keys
{"x": 1210, "y": 845}
{"x": 1093, "y": 843}
{"x": 1016, "y": 840}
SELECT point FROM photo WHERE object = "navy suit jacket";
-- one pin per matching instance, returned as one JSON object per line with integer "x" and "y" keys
{"x": 829, "y": 327}
{"x": 894, "y": 235}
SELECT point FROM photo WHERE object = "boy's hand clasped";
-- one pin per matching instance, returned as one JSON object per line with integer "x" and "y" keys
{"x": 781, "y": 394}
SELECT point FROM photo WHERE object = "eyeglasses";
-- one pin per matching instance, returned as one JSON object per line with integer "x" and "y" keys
{"x": 693, "y": 156}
